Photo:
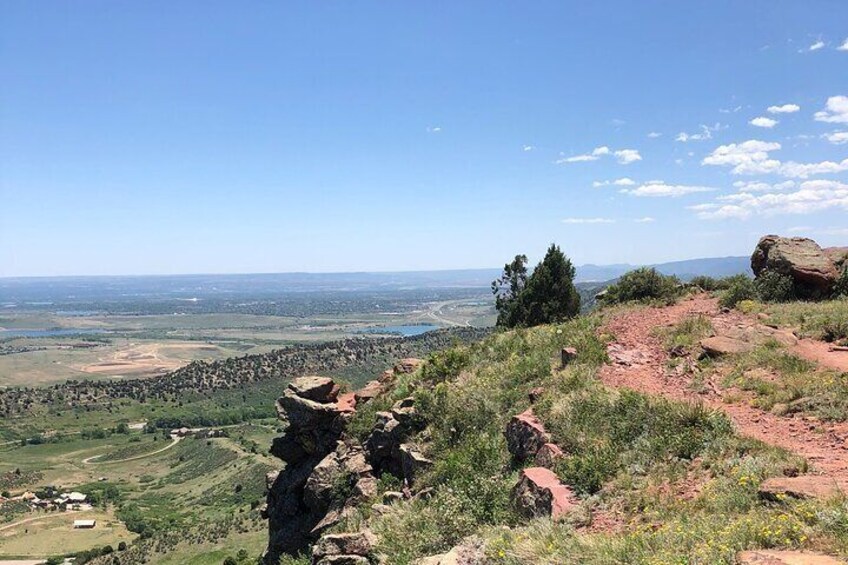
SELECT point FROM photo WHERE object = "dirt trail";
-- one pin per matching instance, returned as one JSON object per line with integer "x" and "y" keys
{"x": 93, "y": 459}
{"x": 639, "y": 363}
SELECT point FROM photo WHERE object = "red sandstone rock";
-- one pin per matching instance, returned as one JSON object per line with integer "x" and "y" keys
{"x": 525, "y": 435}
{"x": 539, "y": 493}
{"x": 548, "y": 455}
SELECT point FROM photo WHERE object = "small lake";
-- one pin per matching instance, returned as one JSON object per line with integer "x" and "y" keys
{"x": 405, "y": 331}
{"x": 54, "y": 332}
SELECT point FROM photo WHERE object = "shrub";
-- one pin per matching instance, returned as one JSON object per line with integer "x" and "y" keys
{"x": 739, "y": 288}
{"x": 772, "y": 286}
{"x": 705, "y": 283}
{"x": 641, "y": 285}
{"x": 841, "y": 287}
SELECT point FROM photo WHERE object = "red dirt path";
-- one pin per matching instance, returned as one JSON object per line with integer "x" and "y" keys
{"x": 641, "y": 366}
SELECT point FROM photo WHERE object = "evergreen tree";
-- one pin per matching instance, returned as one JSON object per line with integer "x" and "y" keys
{"x": 546, "y": 296}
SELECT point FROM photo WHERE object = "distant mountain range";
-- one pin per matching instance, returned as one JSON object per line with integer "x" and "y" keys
{"x": 712, "y": 266}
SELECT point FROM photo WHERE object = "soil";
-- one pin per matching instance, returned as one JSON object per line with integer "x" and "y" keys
{"x": 639, "y": 362}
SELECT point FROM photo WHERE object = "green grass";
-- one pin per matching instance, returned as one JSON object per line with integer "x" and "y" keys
{"x": 626, "y": 454}
{"x": 826, "y": 320}
{"x": 786, "y": 383}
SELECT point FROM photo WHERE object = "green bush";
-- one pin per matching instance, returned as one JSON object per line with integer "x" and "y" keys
{"x": 739, "y": 288}
{"x": 643, "y": 285}
{"x": 841, "y": 287}
{"x": 772, "y": 286}
{"x": 705, "y": 283}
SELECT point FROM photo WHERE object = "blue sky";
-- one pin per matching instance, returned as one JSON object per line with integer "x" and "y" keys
{"x": 162, "y": 137}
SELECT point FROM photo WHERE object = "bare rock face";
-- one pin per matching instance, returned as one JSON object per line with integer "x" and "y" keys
{"x": 785, "y": 557}
{"x": 385, "y": 448}
{"x": 812, "y": 270}
{"x": 343, "y": 549}
{"x": 839, "y": 256}
{"x": 548, "y": 455}
{"x": 300, "y": 502}
{"x": 525, "y": 435}
{"x": 801, "y": 487}
{"x": 539, "y": 493}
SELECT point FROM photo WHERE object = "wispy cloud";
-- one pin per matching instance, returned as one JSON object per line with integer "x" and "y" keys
{"x": 657, "y": 189}
{"x": 835, "y": 111}
{"x": 763, "y": 122}
{"x": 623, "y": 156}
{"x": 624, "y": 181}
{"x": 596, "y": 154}
{"x": 645, "y": 220}
{"x": 844, "y": 46}
{"x": 588, "y": 221}
{"x": 528, "y": 148}
{"x": 784, "y": 109}
{"x": 730, "y": 110}
{"x": 705, "y": 133}
{"x": 654, "y": 134}
{"x": 434, "y": 129}
{"x": 816, "y": 46}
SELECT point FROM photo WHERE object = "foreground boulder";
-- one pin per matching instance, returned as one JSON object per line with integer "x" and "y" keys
{"x": 813, "y": 271}
{"x": 525, "y": 436}
{"x": 539, "y": 493}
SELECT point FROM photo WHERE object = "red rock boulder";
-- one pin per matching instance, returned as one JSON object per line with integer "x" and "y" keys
{"x": 525, "y": 435}
{"x": 539, "y": 493}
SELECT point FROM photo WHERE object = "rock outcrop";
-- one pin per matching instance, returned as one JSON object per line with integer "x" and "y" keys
{"x": 539, "y": 493}
{"x": 299, "y": 495}
{"x": 525, "y": 436}
{"x": 326, "y": 471}
{"x": 785, "y": 557}
{"x": 802, "y": 487}
{"x": 343, "y": 549}
{"x": 813, "y": 270}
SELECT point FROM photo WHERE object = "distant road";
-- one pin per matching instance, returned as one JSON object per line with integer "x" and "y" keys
{"x": 435, "y": 313}
{"x": 91, "y": 460}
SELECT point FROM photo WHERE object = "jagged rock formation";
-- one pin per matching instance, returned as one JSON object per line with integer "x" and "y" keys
{"x": 525, "y": 436}
{"x": 814, "y": 271}
{"x": 328, "y": 472}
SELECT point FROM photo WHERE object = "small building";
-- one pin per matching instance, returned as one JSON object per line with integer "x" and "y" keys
{"x": 84, "y": 524}
{"x": 76, "y": 497}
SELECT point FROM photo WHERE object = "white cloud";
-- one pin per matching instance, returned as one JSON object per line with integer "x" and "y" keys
{"x": 837, "y": 137}
{"x": 654, "y": 134}
{"x": 623, "y": 156}
{"x": 528, "y": 148}
{"x": 627, "y": 156}
{"x": 705, "y": 133}
{"x": 748, "y": 157}
{"x": 624, "y": 181}
{"x": 835, "y": 112}
{"x": 657, "y": 188}
{"x": 763, "y": 122}
{"x": 588, "y": 221}
{"x": 816, "y": 46}
{"x": 729, "y": 110}
{"x": 759, "y": 186}
{"x": 784, "y": 109}
{"x": 844, "y": 46}
{"x": 702, "y": 207}
{"x": 434, "y": 129}
{"x": 810, "y": 196}
{"x": 645, "y": 220}
{"x": 752, "y": 158}
{"x": 596, "y": 153}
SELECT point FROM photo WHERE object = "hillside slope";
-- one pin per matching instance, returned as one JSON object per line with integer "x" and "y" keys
{"x": 632, "y": 447}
